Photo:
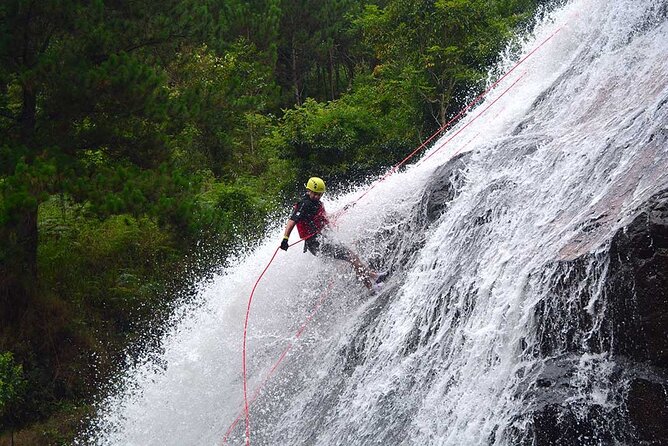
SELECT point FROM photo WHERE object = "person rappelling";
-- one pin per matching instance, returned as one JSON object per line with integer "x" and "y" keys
{"x": 314, "y": 228}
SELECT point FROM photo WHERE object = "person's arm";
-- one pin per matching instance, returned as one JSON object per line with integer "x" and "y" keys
{"x": 286, "y": 235}
{"x": 288, "y": 228}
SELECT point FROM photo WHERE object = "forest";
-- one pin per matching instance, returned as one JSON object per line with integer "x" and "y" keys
{"x": 142, "y": 143}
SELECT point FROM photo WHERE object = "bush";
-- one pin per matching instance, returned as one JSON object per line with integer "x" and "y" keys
{"x": 12, "y": 384}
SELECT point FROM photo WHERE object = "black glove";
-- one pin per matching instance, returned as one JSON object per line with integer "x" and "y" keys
{"x": 284, "y": 244}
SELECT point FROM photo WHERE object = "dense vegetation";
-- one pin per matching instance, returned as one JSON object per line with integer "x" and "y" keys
{"x": 142, "y": 141}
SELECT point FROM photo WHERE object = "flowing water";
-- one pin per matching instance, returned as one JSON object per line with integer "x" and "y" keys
{"x": 476, "y": 238}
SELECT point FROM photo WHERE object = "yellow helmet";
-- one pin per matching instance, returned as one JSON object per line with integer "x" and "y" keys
{"x": 315, "y": 184}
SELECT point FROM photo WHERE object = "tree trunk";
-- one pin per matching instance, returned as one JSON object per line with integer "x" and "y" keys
{"x": 330, "y": 73}
{"x": 350, "y": 71}
{"x": 446, "y": 97}
{"x": 337, "y": 78}
{"x": 18, "y": 262}
{"x": 295, "y": 74}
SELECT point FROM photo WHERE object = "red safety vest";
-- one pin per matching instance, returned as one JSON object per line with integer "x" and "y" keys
{"x": 306, "y": 227}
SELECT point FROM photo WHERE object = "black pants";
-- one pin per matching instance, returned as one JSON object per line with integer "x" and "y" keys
{"x": 315, "y": 245}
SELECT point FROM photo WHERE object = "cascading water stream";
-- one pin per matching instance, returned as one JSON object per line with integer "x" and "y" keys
{"x": 499, "y": 257}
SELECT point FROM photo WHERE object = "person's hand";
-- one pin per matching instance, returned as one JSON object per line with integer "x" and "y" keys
{"x": 284, "y": 244}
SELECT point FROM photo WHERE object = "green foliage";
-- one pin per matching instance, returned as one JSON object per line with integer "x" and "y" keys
{"x": 107, "y": 270}
{"x": 443, "y": 48}
{"x": 237, "y": 210}
{"x": 23, "y": 189}
{"x": 215, "y": 93}
{"x": 318, "y": 49}
{"x": 372, "y": 125}
{"x": 12, "y": 383}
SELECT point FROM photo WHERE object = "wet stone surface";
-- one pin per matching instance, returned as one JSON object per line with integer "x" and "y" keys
{"x": 632, "y": 344}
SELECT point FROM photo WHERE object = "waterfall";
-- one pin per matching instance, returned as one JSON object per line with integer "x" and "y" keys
{"x": 499, "y": 323}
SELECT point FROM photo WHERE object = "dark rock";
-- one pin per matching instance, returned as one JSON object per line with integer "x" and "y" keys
{"x": 566, "y": 325}
{"x": 629, "y": 343}
{"x": 557, "y": 425}
{"x": 443, "y": 187}
{"x": 637, "y": 285}
{"x": 648, "y": 411}
{"x": 558, "y": 411}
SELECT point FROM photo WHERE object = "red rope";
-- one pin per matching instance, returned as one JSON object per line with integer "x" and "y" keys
{"x": 256, "y": 391}
{"x": 243, "y": 352}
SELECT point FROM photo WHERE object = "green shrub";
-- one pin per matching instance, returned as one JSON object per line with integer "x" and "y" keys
{"x": 12, "y": 383}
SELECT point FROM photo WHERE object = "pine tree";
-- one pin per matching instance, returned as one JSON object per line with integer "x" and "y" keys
{"x": 83, "y": 92}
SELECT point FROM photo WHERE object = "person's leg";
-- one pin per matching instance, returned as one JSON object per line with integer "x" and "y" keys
{"x": 365, "y": 274}
{"x": 312, "y": 245}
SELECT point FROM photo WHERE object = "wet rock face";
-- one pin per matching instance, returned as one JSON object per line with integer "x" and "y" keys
{"x": 631, "y": 406}
{"x": 638, "y": 285}
{"x": 648, "y": 410}
{"x": 443, "y": 187}
{"x": 556, "y": 427}
{"x": 408, "y": 237}
{"x": 632, "y": 341}
{"x": 638, "y": 288}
